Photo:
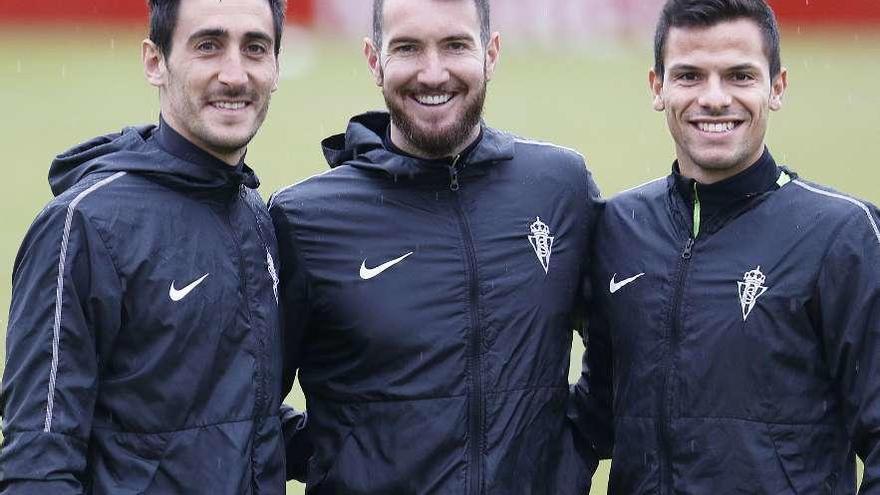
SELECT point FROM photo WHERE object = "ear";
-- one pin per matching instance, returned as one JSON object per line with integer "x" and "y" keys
{"x": 493, "y": 53}
{"x": 777, "y": 90}
{"x": 656, "y": 83}
{"x": 277, "y": 70}
{"x": 374, "y": 60}
{"x": 155, "y": 69}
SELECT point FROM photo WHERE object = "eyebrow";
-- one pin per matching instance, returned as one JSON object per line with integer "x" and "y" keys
{"x": 684, "y": 67}
{"x": 224, "y": 33}
{"x": 447, "y": 39}
{"x": 743, "y": 67}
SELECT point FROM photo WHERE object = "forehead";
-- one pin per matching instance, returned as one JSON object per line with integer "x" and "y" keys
{"x": 430, "y": 18}
{"x": 728, "y": 43}
{"x": 230, "y": 15}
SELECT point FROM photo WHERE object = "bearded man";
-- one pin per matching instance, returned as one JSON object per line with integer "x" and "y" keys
{"x": 429, "y": 280}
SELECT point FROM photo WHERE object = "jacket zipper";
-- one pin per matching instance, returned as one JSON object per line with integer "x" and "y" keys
{"x": 668, "y": 399}
{"x": 454, "y": 186}
{"x": 242, "y": 274}
{"x": 475, "y": 390}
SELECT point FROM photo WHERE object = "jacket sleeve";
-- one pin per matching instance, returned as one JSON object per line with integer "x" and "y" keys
{"x": 590, "y": 398}
{"x": 848, "y": 297}
{"x": 65, "y": 292}
{"x": 295, "y": 314}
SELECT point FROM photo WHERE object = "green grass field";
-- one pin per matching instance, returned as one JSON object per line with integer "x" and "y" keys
{"x": 61, "y": 87}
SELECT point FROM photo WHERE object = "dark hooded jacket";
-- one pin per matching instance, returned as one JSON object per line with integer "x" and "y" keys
{"x": 428, "y": 306}
{"x": 143, "y": 354}
{"x": 744, "y": 320}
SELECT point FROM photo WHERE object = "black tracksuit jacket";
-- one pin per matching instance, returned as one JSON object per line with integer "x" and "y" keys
{"x": 429, "y": 307}
{"x": 746, "y": 345}
{"x": 143, "y": 352}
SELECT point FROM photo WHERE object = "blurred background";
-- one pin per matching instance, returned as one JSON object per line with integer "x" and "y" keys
{"x": 573, "y": 72}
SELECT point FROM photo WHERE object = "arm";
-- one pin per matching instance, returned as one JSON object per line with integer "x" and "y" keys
{"x": 590, "y": 398}
{"x": 295, "y": 312}
{"x": 65, "y": 291}
{"x": 848, "y": 308}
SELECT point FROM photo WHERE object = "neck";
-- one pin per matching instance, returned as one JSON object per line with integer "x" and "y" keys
{"x": 706, "y": 175}
{"x": 400, "y": 140}
{"x": 231, "y": 158}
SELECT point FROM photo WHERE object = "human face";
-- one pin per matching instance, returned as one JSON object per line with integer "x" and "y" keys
{"x": 433, "y": 71}
{"x": 717, "y": 93}
{"x": 215, "y": 85}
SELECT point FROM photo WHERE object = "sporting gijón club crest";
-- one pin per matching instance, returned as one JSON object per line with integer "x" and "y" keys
{"x": 750, "y": 289}
{"x": 542, "y": 242}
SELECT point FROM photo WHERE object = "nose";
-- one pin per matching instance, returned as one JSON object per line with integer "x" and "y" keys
{"x": 715, "y": 96}
{"x": 232, "y": 71}
{"x": 434, "y": 72}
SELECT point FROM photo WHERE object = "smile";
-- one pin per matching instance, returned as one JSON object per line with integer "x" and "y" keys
{"x": 717, "y": 127}
{"x": 433, "y": 100}
{"x": 229, "y": 105}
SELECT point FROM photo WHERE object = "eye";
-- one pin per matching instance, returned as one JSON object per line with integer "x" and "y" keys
{"x": 207, "y": 46}
{"x": 405, "y": 49}
{"x": 742, "y": 77}
{"x": 256, "y": 49}
{"x": 687, "y": 77}
{"x": 457, "y": 46}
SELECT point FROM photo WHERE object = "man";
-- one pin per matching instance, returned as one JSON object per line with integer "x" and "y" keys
{"x": 429, "y": 280}
{"x": 143, "y": 346}
{"x": 740, "y": 301}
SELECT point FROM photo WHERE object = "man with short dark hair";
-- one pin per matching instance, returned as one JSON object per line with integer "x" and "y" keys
{"x": 143, "y": 345}
{"x": 429, "y": 280}
{"x": 740, "y": 302}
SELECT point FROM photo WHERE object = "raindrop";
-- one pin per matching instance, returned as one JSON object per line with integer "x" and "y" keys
{"x": 693, "y": 447}
{"x": 857, "y": 367}
{"x": 63, "y": 71}
{"x": 112, "y": 43}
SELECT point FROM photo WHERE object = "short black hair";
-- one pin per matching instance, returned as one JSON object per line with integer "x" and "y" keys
{"x": 163, "y": 21}
{"x": 708, "y": 13}
{"x": 482, "y": 9}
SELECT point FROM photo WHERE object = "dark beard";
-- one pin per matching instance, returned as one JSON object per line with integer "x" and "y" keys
{"x": 445, "y": 142}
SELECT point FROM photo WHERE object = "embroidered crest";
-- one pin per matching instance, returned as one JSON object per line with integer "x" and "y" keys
{"x": 542, "y": 242}
{"x": 272, "y": 273}
{"x": 750, "y": 289}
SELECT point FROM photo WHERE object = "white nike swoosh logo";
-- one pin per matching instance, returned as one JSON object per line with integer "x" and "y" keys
{"x": 177, "y": 295}
{"x": 368, "y": 273}
{"x": 616, "y": 286}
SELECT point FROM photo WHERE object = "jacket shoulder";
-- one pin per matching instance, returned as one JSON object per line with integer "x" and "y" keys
{"x": 834, "y": 207}
{"x": 651, "y": 191}
{"x": 548, "y": 153}
{"x": 316, "y": 186}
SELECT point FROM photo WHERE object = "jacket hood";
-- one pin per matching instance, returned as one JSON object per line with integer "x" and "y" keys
{"x": 362, "y": 146}
{"x": 136, "y": 150}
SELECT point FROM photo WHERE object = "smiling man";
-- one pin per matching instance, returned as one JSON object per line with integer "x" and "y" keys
{"x": 430, "y": 280}
{"x": 741, "y": 302}
{"x": 143, "y": 345}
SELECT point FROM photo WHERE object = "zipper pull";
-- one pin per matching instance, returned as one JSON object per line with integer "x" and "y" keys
{"x": 688, "y": 249}
{"x": 453, "y": 174}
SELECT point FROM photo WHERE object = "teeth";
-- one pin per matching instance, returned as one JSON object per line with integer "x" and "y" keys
{"x": 433, "y": 99}
{"x": 718, "y": 127}
{"x": 230, "y": 105}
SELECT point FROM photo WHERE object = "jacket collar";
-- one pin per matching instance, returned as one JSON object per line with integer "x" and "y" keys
{"x": 364, "y": 146}
{"x": 158, "y": 153}
{"x": 726, "y": 199}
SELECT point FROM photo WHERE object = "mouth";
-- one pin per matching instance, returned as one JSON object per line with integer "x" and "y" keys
{"x": 717, "y": 127}
{"x": 227, "y": 105}
{"x": 433, "y": 99}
